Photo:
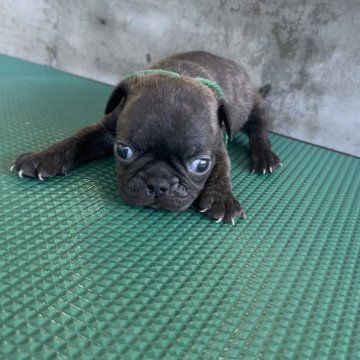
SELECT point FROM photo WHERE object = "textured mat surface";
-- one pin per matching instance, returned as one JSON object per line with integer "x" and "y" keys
{"x": 84, "y": 276}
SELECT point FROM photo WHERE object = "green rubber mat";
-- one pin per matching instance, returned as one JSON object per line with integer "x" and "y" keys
{"x": 83, "y": 276}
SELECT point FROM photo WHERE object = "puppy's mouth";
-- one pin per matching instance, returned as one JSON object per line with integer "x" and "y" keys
{"x": 172, "y": 206}
{"x": 167, "y": 203}
{"x": 176, "y": 199}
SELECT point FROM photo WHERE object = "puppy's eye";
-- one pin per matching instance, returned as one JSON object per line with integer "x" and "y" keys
{"x": 124, "y": 151}
{"x": 199, "y": 166}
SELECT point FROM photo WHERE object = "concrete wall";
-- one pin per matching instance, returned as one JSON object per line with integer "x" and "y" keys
{"x": 308, "y": 49}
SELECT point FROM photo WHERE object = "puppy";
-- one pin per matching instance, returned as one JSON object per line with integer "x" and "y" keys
{"x": 166, "y": 128}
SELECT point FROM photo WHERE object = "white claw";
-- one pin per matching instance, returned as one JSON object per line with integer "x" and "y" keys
{"x": 40, "y": 176}
{"x": 270, "y": 169}
{"x": 281, "y": 165}
{"x": 21, "y": 173}
{"x": 253, "y": 171}
{"x": 203, "y": 210}
{"x": 233, "y": 221}
{"x": 264, "y": 171}
{"x": 219, "y": 220}
{"x": 12, "y": 168}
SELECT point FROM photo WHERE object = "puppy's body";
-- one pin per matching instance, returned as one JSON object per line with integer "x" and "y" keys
{"x": 167, "y": 132}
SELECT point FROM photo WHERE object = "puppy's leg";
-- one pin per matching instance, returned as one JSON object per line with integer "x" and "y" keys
{"x": 88, "y": 144}
{"x": 217, "y": 199}
{"x": 263, "y": 160}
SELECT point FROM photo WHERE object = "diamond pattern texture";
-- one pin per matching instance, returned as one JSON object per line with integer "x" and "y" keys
{"x": 84, "y": 276}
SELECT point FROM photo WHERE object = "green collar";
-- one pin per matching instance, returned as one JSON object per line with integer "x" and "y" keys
{"x": 207, "y": 82}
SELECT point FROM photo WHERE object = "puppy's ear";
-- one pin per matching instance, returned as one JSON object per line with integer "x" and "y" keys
{"x": 117, "y": 96}
{"x": 225, "y": 118}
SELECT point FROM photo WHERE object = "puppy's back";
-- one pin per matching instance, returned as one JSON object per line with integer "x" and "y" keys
{"x": 239, "y": 91}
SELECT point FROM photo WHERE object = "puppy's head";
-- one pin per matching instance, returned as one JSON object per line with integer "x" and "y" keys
{"x": 168, "y": 129}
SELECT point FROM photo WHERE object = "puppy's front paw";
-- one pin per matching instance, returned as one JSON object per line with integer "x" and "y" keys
{"x": 220, "y": 206}
{"x": 41, "y": 165}
{"x": 264, "y": 162}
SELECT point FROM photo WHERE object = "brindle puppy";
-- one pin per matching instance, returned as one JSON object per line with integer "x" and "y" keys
{"x": 166, "y": 131}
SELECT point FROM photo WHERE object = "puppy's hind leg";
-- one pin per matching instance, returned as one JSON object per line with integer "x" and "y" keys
{"x": 263, "y": 160}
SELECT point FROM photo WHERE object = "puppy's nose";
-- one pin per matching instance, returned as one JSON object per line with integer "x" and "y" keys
{"x": 157, "y": 186}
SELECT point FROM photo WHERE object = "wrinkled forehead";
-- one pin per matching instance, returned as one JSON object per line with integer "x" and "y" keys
{"x": 170, "y": 114}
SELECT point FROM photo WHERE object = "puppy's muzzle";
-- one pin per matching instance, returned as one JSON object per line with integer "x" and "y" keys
{"x": 157, "y": 186}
